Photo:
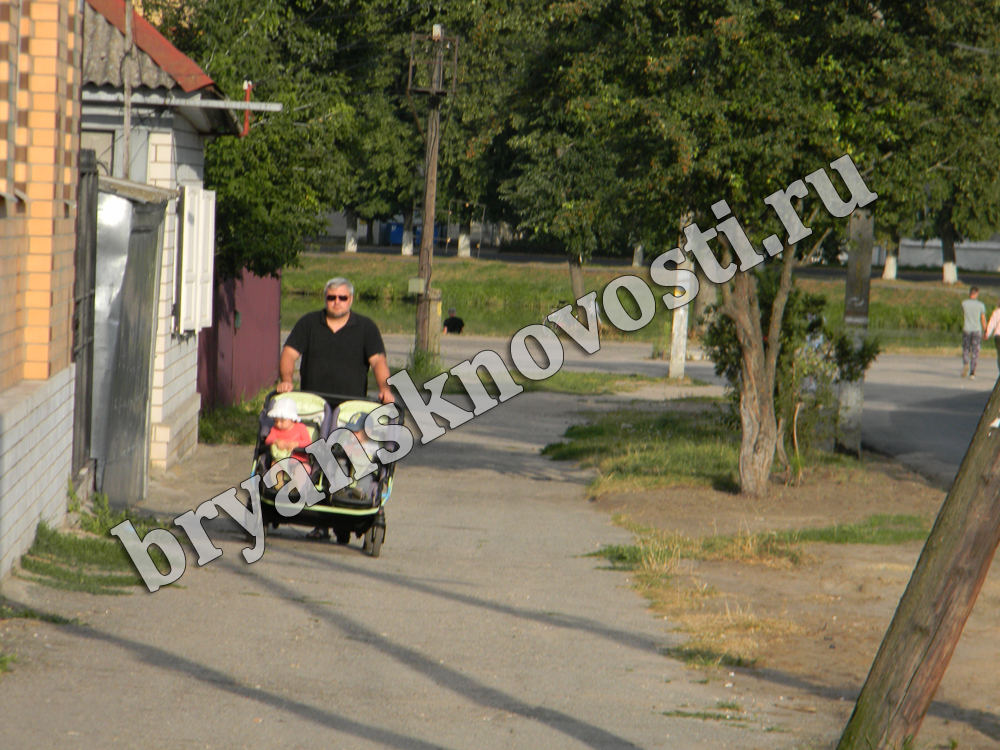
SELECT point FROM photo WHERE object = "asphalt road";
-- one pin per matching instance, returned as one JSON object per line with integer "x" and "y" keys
{"x": 917, "y": 408}
{"x": 920, "y": 411}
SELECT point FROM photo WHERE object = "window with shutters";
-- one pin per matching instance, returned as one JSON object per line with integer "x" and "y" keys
{"x": 196, "y": 259}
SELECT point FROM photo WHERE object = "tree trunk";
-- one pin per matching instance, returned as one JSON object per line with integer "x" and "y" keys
{"x": 351, "y": 233}
{"x": 679, "y": 326}
{"x": 856, "y": 297}
{"x": 576, "y": 279}
{"x": 891, "y": 260}
{"x": 637, "y": 259}
{"x": 678, "y": 343}
{"x": 758, "y": 368}
{"x": 759, "y": 426}
{"x": 464, "y": 239}
{"x": 947, "y": 233}
{"x": 369, "y": 232}
{"x": 708, "y": 295}
{"x": 407, "y": 247}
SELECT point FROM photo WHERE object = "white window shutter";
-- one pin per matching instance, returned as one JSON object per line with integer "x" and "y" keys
{"x": 206, "y": 279}
{"x": 189, "y": 257}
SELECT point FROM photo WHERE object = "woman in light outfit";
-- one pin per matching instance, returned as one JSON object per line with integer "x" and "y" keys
{"x": 993, "y": 331}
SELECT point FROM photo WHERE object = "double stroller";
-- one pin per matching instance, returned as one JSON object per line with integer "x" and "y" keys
{"x": 358, "y": 508}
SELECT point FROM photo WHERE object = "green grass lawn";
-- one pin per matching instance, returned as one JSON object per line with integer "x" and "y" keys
{"x": 633, "y": 449}
{"x": 906, "y": 315}
{"x": 496, "y": 298}
{"x": 91, "y": 561}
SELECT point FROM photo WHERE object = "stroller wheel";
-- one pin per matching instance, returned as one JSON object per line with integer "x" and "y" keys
{"x": 373, "y": 540}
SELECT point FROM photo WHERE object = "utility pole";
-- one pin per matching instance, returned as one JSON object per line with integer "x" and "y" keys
{"x": 427, "y": 76}
{"x": 126, "y": 74}
{"x": 937, "y": 602}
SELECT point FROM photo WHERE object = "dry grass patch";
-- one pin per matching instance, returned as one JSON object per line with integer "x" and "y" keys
{"x": 721, "y": 634}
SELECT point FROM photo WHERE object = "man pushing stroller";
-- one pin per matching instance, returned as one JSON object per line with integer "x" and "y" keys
{"x": 337, "y": 346}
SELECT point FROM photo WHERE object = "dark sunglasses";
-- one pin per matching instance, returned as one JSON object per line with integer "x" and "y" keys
{"x": 341, "y": 297}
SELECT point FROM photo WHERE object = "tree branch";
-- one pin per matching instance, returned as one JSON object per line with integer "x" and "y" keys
{"x": 778, "y": 313}
{"x": 810, "y": 256}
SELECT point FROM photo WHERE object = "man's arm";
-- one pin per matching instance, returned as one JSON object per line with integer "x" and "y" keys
{"x": 286, "y": 368}
{"x": 381, "y": 369}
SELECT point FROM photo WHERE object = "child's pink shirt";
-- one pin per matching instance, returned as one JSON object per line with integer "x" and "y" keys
{"x": 298, "y": 433}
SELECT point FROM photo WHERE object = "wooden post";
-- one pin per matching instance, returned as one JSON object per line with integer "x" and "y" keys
{"x": 858, "y": 286}
{"x": 423, "y": 338}
{"x": 937, "y": 602}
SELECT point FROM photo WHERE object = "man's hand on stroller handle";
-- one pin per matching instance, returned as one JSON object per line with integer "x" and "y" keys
{"x": 380, "y": 368}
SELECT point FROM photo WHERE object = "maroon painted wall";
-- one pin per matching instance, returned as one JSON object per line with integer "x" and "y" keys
{"x": 236, "y": 362}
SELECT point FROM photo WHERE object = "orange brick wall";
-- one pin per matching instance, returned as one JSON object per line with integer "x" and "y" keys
{"x": 39, "y": 110}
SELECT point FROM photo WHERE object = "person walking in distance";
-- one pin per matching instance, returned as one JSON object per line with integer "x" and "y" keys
{"x": 974, "y": 314}
{"x": 453, "y": 323}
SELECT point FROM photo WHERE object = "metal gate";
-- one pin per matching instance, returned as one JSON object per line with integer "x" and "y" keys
{"x": 83, "y": 307}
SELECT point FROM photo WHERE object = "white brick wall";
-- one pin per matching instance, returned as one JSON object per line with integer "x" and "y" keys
{"x": 36, "y": 445}
{"x": 175, "y": 157}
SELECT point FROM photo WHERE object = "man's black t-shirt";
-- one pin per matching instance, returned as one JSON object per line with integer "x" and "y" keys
{"x": 335, "y": 362}
{"x": 454, "y": 324}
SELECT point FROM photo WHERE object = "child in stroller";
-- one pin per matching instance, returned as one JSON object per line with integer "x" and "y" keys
{"x": 288, "y": 433}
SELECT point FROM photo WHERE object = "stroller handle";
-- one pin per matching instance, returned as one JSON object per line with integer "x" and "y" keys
{"x": 339, "y": 397}
{"x": 328, "y": 396}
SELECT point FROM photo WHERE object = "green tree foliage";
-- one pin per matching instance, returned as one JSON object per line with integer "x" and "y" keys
{"x": 273, "y": 185}
{"x": 347, "y": 136}
{"x": 936, "y": 141}
{"x": 675, "y": 106}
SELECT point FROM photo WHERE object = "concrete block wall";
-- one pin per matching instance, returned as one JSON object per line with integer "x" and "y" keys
{"x": 36, "y": 442}
{"x": 176, "y": 157}
{"x": 969, "y": 256}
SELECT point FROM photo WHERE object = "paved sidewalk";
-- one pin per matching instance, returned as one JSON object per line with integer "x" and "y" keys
{"x": 482, "y": 625}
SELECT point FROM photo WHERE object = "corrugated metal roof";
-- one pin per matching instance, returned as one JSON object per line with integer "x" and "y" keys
{"x": 160, "y": 63}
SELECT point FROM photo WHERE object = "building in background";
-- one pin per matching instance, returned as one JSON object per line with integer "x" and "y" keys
{"x": 176, "y": 107}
